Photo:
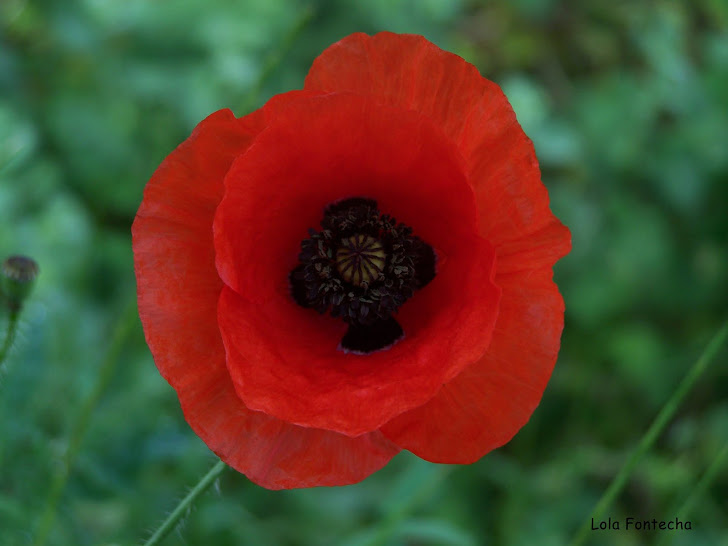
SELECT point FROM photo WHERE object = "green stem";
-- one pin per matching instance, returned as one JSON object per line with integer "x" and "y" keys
{"x": 10, "y": 334}
{"x": 185, "y": 504}
{"x": 123, "y": 329}
{"x": 704, "y": 482}
{"x": 274, "y": 59}
{"x": 658, "y": 425}
{"x": 682, "y": 512}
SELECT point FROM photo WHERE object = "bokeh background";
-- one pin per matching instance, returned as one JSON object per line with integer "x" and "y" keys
{"x": 627, "y": 104}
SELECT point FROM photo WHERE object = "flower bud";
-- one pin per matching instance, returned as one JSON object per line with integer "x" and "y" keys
{"x": 17, "y": 278}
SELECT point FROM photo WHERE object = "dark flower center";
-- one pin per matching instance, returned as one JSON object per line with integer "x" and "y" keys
{"x": 361, "y": 266}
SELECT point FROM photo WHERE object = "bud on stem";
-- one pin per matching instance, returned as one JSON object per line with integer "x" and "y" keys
{"x": 17, "y": 278}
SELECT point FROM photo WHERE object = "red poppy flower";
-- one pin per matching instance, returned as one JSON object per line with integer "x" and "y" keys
{"x": 397, "y": 193}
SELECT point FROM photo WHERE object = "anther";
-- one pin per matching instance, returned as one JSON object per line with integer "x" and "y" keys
{"x": 362, "y": 266}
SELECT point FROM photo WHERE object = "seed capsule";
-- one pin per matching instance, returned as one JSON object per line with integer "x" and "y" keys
{"x": 360, "y": 259}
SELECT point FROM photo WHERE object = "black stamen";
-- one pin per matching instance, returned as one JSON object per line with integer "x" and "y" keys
{"x": 362, "y": 266}
{"x": 298, "y": 286}
{"x": 363, "y": 339}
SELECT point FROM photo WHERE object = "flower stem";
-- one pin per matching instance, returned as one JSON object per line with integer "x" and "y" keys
{"x": 704, "y": 482}
{"x": 9, "y": 334}
{"x": 682, "y": 512}
{"x": 185, "y": 504}
{"x": 274, "y": 58}
{"x": 59, "y": 480}
{"x": 658, "y": 425}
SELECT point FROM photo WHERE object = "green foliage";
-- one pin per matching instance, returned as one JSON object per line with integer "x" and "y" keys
{"x": 627, "y": 105}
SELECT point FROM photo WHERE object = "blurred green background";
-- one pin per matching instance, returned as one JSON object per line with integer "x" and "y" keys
{"x": 627, "y": 104}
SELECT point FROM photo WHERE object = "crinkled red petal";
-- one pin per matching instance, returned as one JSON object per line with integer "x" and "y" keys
{"x": 483, "y": 407}
{"x": 513, "y": 203}
{"x": 407, "y": 71}
{"x": 178, "y": 289}
{"x": 284, "y": 359}
{"x": 404, "y": 71}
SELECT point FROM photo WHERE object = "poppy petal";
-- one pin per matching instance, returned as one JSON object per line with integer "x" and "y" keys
{"x": 178, "y": 289}
{"x": 407, "y": 71}
{"x": 271, "y": 452}
{"x": 171, "y": 238}
{"x": 284, "y": 359}
{"x": 513, "y": 203}
{"x": 483, "y": 407}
